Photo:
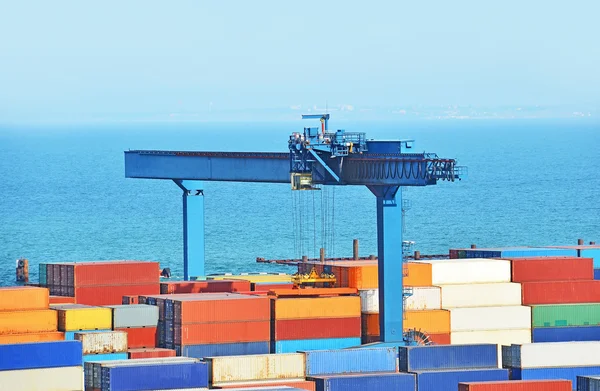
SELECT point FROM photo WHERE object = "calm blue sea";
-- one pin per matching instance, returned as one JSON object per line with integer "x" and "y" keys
{"x": 64, "y": 197}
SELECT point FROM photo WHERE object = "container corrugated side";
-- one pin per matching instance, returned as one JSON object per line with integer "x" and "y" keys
{"x": 231, "y": 369}
{"x": 561, "y": 315}
{"x": 481, "y": 295}
{"x": 557, "y": 354}
{"x": 21, "y": 322}
{"x": 271, "y": 385}
{"x": 143, "y": 377}
{"x": 551, "y": 269}
{"x": 517, "y": 385}
{"x": 32, "y": 337}
{"x": 40, "y": 355}
{"x": 565, "y": 334}
{"x": 104, "y": 342}
{"x": 140, "y": 337}
{"x": 315, "y": 328}
{"x": 588, "y": 383}
{"x": 448, "y": 380}
{"x": 360, "y": 382}
{"x": 501, "y": 337}
{"x": 567, "y": 373}
{"x": 490, "y": 318}
{"x": 150, "y": 353}
{"x": 23, "y": 298}
{"x": 422, "y": 358}
{"x": 84, "y": 318}
{"x": 292, "y": 346}
{"x": 134, "y": 315}
{"x": 561, "y": 292}
{"x": 469, "y": 271}
{"x": 333, "y": 362}
{"x": 422, "y": 298}
{"x": 70, "y": 335}
{"x": 43, "y": 379}
{"x": 228, "y": 332}
{"x": 225, "y": 349}
{"x": 506, "y": 356}
{"x": 320, "y": 307}
{"x": 115, "y": 273}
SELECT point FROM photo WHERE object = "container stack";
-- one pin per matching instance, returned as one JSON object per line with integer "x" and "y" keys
{"x": 139, "y": 321}
{"x": 485, "y": 306}
{"x": 309, "y": 323}
{"x": 204, "y": 286}
{"x": 442, "y": 368}
{"x": 103, "y": 346}
{"x": 357, "y": 370}
{"x": 74, "y": 318}
{"x": 554, "y": 360}
{"x": 25, "y": 316}
{"x": 41, "y": 366}
{"x": 512, "y": 252}
{"x": 103, "y": 283}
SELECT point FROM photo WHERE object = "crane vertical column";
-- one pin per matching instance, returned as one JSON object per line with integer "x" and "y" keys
{"x": 389, "y": 264}
{"x": 193, "y": 229}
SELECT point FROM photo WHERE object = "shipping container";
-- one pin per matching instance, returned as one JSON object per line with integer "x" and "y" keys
{"x": 565, "y": 334}
{"x": 567, "y": 373}
{"x": 561, "y": 292}
{"x": 105, "y": 357}
{"x": 552, "y": 269}
{"x": 588, "y": 383}
{"x": 70, "y": 335}
{"x": 103, "y": 342}
{"x": 112, "y": 294}
{"x": 506, "y": 356}
{"x": 40, "y": 355}
{"x": 61, "y": 300}
{"x": 501, "y": 337}
{"x": 32, "y": 337}
{"x": 317, "y": 307}
{"x": 469, "y": 271}
{"x": 596, "y": 274}
{"x": 206, "y": 286}
{"x": 333, "y": 362}
{"x": 272, "y": 385}
{"x": 154, "y": 376}
{"x": 218, "y": 307}
{"x": 22, "y": 322}
{"x": 557, "y": 354}
{"x": 360, "y": 382}
{"x": 448, "y": 380}
{"x": 150, "y": 353}
{"x": 231, "y": 332}
{"x": 140, "y": 337}
{"x": 252, "y": 277}
{"x": 81, "y": 274}
{"x": 265, "y": 287}
{"x": 422, "y": 298}
{"x": 292, "y": 346}
{"x": 517, "y": 385}
{"x": 232, "y": 369}
{"x": 490, "y": 318}
{"x": 481, "y": 295}
{"x": 134, "y": 315}
{"x": 430, "y": 322}
{"x": 23, "y": 298}
{"x": 316, "y": 328}
{"x": 72, "y": 318}
{"x": 424, "y": 358}
{"x": 559, "y": 315}
{"x": 223, "y": 349}
{"x": 43, "y": 379}
{"x": 519, "y": 252}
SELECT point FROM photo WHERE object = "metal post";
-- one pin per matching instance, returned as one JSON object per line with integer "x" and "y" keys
{"x": 592, "y": 243}
{"x": 322, "y": 255}
{"x": 473, "y": 246}
{"x": 580, "y": 242}
{"x": 417, "y": 255}
{"x": 355, "y": 249}
{"x": 305, "y": 258}
{"x": 193, "y": 229}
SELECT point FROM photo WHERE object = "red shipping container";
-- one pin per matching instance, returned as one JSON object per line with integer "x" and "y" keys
{"x": 140, "y": 337}
{"x": 316, "y": 328}
{"x": 112, "y": 294}
{"x": 150, "y": 353}
{"x": 109, "y": 273}
{"x": 221, "y": 307}
{"x": 552, "y": 269}
{"x": 268, "y": 287}
{"x": 209, "y": 286}
{"x": 560, "y": 292}
{"x": 231, "y": 332}
{"x": 517, "y": 385}
{"x": 301, "y": 384}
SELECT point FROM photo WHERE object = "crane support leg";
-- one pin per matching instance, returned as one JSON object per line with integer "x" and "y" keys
{"x": 389, "y": 248}
{"x": 193, "y": 229}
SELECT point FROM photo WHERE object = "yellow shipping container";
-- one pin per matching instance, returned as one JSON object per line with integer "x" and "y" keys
{"x": 77, "y": 317}
{"x": 363, "y": 277}
{"x": 316, "y": 307}
{"x": 253, "y": 278}
{"x": 31, "y": 337}
{"x": 433, "y": 322}
{"x": 23, "y": 298}
{"x": 22, "y": 322}
{"x": 236, "y": 369}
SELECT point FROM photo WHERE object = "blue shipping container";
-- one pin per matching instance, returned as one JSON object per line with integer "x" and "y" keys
{"x": 569, "y": 373}
{"x": 104, "y": 357}
{"x": 224, "y": 349}
{"x": 154, "y": 376}
{"x": 373, "y": 381}
{"x": 41, "y": 355}
{"x": 448, "y": 380}
{"x": 292, "y": 346}
{"x": 565, "y": 334}
{"x": 596, "y": 274}
{"x": 423, "y": 358}
{"x": 70, "y": 335}
{"x": 333, "y": 362}
{"x": 588, "y": 383}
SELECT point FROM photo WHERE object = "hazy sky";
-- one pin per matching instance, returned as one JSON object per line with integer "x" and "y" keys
{"x": 131, "y": 56}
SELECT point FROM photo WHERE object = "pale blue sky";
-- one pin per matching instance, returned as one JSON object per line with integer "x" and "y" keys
{"x": 131, "y": 56}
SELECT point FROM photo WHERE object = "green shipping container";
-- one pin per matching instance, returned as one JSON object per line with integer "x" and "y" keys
{"x": 565, "y": 315}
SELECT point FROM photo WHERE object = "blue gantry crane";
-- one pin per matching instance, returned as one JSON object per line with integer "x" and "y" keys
{"x": 316, "y": 157}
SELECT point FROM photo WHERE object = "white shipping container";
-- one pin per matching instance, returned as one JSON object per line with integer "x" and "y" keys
{"x": 44, "y": 379}
{"x": 134, "y": 315}
{"x": 422, "y": 298}
{"x": 500, "y": 337}
{"x": 235, "y": 369}
{"x": 469, "y": 271}
{"x": 557, "y": 354}
{"x": 481, "y": 295}
{"x": 490, "y": 318}
{"x": 103, "y": 342}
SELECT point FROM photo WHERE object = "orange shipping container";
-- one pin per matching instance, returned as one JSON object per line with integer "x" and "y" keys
{"x": 62, "y": 300}
{"x": 316, "y": 307}
{"x": 429, "y": 321}
{"x": 81, "y": 274}
{"x": 232, "y": 332}
{"x": 363, "y": 277}
{"x": 23, "y": 298}
{"x": 215, "y": 307}
{"x": 301, "y": 384}
{"x": 209, "y": 286}
{"x": 22, "y": 322}
{"x": 112, "y": 294}
{"x": 31, "y": 337}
